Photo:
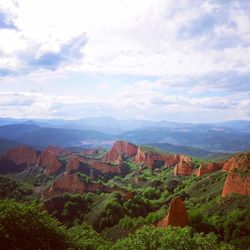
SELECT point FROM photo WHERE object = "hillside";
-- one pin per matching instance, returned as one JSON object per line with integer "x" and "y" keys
{"x": 6, "y": 144}
{"x": 117, "y": 192}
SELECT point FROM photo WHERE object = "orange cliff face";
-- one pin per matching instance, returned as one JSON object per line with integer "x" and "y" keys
{"x": 184, "y": 167}
{"x": 208, "y": 168}
{"x": 238, "y": 178}
{"x": 49, "y": 161}
{"x": 229, "y": 164}
{"x": 72, "y": 184}
{"x": 149, "y": 158}
{"x": 177, "y": 215}
{"x": 105, "y": 167}
{"x": 21, "y": 155}
{"x": 120, "y": 147}
{"x": 90, "y": 151}
{"x": 73, "y": 164}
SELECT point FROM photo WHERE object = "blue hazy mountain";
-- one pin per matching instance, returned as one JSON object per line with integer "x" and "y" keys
{"x": 231, "y": 136}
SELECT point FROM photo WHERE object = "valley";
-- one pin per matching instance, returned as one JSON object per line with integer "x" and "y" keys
{"x": 117, "y": 194}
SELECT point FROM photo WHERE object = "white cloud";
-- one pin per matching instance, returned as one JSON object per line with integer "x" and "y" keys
{"x": 139, "y": 37}
{"x": 197, "y": 51}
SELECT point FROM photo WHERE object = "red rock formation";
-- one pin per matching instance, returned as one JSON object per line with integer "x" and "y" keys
{"x": 21, "y": 155}
{"x": 74, "y": 163}
{"x": 105, "y": 167}
{"x": 177, "y": 215}
{"x": 120, "y": 147}
{"x": 149, "y": 158}
{"x": 238, "y": 178}
{"x": 55, "y": 149}
{"x": 184, "y": 167}
{"x": 229, "y": 164}
{"x": 72, "y": 184}
{"x": 208, "y": 168}
{"x": 90, "y": 151}
{"x": 49, "y": 161}
{"x": 65, "y": 153}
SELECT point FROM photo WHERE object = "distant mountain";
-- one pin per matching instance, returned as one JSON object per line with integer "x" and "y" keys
{"x": 8, "y": 121}
{"x": 115, "y": 126}
{"x": 15, "y": 130}
{"x": 207, "y": 139}
{"x": 6, "y": 144}
{"x": 65, "y": 137}
{"x": 229, "y": 137}
{"x": 240, "y": 125}
{"x": 192, "y": 151}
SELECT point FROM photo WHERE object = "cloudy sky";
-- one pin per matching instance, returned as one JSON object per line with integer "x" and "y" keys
{"x": 143, "y": 59}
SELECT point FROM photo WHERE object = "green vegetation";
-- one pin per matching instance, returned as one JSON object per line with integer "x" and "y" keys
{"x": 150, "y": 238}
{"x": 12, "y": 189}
{"x": 124, "y": 218}
{"x": 149, "y": 149}
{"x": 33, "y": 228}
{"x": 29, "y": 227}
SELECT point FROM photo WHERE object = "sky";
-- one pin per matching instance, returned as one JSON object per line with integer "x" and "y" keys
{"x": 128, "y": 59}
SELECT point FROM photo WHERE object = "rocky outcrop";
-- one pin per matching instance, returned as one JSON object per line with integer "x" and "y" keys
{"x": 152, "y": 159}
{"x": 105, "y": 168}
{"x": 17, "y": 159}
{"x": 73, "y": 163}
{"x": 49, "y": 161}
{"x": 184, "y": 167}
{"x": 120, "y": 147}
{"x": 72, "y": 184}
{"x": 208, "y": 168}
{"x": 91, "y": 151}
{"x": 177, "y": 215}
{"x": 64, "y": 153}
{"x": 21, "y": 155}
{"x": 229, "y": 164}
{"x": 55, "y": 149}
{"x": 238, "y": 178}
{"x": 236, "y": 184}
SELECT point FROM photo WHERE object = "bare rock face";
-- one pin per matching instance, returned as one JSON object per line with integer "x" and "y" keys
{"x": 105, "y": 168}
{"x": 120, "y": 147}
{"x": 177, "y": 215}
{"x": 229, "y": 164}
{"x": 150, "y": 159}
{"x": 72, "y": 184}
{"x": 49, "y": 161}
{"x": 184, "y": 167}
{"x": 73, "y": 164}
{"x": 238, "y": 178}
{"x": 64, "y": 152}
{"x": 56, "y": 149}
{"x": 90, "y": 151}
{"x": 21, "y": 155}
{"x": 208, "y": 168}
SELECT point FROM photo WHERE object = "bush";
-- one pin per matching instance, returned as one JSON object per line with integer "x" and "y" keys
{"x": 152, "y": 238}
{"x": 86, "y": 238}
{"x": 28, "y": 227}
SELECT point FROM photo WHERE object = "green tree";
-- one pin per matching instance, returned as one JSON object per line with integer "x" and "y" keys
{"x": 25, "y": 226}
{"x": 86, "y": 238}
{"x": 152, "y": 238}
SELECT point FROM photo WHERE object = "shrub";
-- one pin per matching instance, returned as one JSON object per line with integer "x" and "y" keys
{"x": 28, "y": 227}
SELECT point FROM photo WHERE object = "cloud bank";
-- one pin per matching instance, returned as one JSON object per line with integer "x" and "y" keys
{"x": 192, "y": 57}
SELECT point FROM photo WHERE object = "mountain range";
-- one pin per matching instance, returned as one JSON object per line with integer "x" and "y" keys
{"x": 200, "y": 140}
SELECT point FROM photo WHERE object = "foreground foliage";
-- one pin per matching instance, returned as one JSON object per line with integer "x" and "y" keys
{"x": 25, "y": 226}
